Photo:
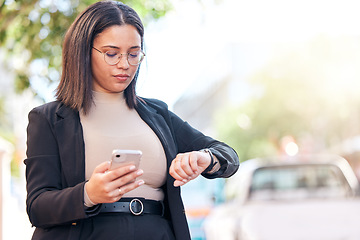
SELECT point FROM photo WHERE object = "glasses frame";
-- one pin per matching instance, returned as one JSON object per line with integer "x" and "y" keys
{"x": 119, "y": 58}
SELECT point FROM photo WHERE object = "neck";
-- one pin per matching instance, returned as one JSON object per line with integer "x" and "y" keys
{"x": 108, "y": 97}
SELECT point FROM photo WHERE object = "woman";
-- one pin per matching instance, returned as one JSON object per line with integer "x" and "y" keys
{"x": 72, "y": 193}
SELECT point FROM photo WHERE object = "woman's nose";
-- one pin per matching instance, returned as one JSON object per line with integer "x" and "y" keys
{"x": 123, "y": 62}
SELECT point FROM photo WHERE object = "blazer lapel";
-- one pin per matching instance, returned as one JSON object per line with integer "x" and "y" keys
{"x": 68, "y": 131}
{"x": 172, "y": 201}
{"x": 158, "y": 124}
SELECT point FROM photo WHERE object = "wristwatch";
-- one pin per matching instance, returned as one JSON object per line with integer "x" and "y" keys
{"x": 212, "y": 163}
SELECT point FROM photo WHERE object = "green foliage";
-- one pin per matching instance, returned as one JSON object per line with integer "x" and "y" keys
{"x": 309, "y": 93}
{"x": 245, "y": 129}
{"x": 34, "y": 29}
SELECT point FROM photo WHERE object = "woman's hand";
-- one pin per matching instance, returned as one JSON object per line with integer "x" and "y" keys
{"x": 188, "y": 166}
{"x": 107, "y": 186}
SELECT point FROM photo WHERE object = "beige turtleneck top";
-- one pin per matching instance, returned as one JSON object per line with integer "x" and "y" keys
{"x": 109, "y": 125}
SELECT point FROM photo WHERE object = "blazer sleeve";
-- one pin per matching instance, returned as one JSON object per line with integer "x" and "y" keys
{"x": 190, "y": 139}
{"x": 48, "y": 202}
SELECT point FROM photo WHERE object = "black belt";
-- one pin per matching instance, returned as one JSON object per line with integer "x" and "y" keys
{"x": 135, "y": 206}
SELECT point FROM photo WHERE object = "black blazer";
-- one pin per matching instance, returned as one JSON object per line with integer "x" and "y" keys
{"x": 55, "y": 166}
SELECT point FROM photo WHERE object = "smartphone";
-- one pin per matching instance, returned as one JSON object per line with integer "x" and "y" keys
{"x": 122, "y": 158}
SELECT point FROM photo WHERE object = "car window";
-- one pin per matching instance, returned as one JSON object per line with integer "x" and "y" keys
{"x": 297, "y": 181}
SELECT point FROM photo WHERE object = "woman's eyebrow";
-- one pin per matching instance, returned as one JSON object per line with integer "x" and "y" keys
{"x": 110, "y": 46}
{"x": 115, "y": 47}
{"x": 135, "y": 47}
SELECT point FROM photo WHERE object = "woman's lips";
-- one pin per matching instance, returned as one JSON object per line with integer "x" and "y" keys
{"x": 122, "y": 77}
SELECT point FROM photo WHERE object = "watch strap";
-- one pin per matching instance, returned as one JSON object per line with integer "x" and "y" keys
{"x": 212, "y": 162}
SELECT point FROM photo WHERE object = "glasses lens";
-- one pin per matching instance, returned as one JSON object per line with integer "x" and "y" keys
{"x": 112, "y": 57}
{"x": 135, "y": 57}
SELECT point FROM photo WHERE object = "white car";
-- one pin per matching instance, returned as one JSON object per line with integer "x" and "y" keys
{"x": 297, "y": 198}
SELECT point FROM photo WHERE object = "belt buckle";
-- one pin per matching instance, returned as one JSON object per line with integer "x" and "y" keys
{"x": 135, "y": 204}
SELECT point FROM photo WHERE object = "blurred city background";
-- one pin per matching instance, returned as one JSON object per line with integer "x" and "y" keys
{"x": 268, "y": 77}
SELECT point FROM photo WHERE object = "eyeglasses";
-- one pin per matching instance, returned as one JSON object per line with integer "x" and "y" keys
{"x": 113, "y": 57}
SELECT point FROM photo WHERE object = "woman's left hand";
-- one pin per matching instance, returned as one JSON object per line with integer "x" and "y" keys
{"x": 188, "y": 166}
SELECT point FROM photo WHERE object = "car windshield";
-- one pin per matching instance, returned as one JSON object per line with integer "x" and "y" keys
{"x": 297, "y": 182}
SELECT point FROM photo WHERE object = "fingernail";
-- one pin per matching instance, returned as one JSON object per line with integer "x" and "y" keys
{"x": 140, "y": 172}
{"x": 185, "y": 180}
{"x": 132, "y": 167}
{"x": 141, "y": 182}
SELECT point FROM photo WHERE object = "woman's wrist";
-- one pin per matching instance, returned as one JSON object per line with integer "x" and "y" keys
{"x": 214, "y": 162}
{"x": 87, "y": 200}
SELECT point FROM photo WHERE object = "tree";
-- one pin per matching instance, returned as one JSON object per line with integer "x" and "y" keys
{"x": 31, "y": 33}
{"x": 309, "y": 94}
